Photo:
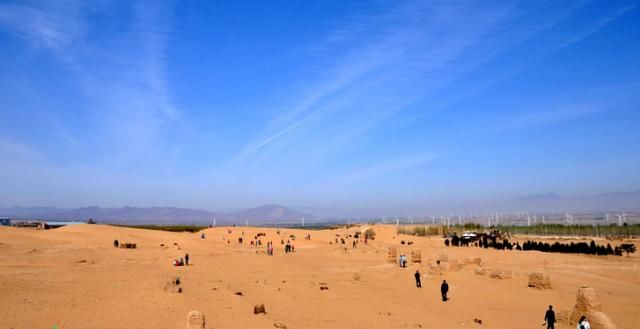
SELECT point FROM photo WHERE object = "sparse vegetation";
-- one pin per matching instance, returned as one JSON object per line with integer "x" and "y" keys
{"x": 629, "y": 248}
{"x": 170, "y": 228}
{"x": 611, "y": 230}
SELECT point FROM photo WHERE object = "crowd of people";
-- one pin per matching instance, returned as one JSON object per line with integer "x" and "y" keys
{"x": 182, "y": 261}
{"x": 492, "y": 241}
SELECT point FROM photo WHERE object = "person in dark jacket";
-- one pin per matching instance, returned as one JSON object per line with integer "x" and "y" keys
{"x": 418, "y": 283}
{"x": 186, "y": 259}
{"x": 444, "y": 289}
{"x": 550, "y": 318}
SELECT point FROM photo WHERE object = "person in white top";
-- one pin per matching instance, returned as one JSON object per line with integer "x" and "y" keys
{"x": 583, "y": 323}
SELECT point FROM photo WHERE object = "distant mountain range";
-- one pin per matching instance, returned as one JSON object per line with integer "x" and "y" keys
{"x": 267, "y": 214}
{"x": 276, "y": 214}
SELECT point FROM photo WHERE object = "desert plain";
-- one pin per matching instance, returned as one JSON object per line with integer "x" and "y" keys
{"x": 74, "y": 278}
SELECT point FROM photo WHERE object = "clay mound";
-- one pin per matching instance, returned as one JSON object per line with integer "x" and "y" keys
{"x": 539, "y": 281}
{"x": 392, "y": 255}
{"x": 479, "y": 270}
{"x": 500, "y": 274}
{"x": 477, "y": 261}
{"x": 416, "y": 256}
{"x": 195, "y": 320}
{"x": 586, "y": 302}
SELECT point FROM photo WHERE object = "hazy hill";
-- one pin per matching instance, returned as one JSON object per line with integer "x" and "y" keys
{"x": 155, "y": 215}
{"x": 271, "y": 214}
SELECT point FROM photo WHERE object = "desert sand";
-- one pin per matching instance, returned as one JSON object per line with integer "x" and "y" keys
{"x": 73, "y": 277}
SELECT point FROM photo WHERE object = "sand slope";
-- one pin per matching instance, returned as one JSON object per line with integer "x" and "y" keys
{"x": 73, "y": 277}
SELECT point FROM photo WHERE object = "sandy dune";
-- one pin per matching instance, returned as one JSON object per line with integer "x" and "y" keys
{"x": 73, "y": 277}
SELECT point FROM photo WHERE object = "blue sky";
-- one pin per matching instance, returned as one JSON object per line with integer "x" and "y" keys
{"x": 368, "y": 107}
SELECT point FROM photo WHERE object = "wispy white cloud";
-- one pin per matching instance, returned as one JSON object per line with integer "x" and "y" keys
{"x": 55, "y": 25}
{"x": 374, "y": 65}
{"x": 123, "y": 72}
{"x": 377, "y": 73}
{"x": 541, "y": 117}
{"x": 387, "y": 167}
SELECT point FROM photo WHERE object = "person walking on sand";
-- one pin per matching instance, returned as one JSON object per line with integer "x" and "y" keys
{"x": 550, "y": 318}
{"x": 583, "y": 323}
{"x": 186, "y": 259}
{"x": 444, "y": 289}
{"x": 418, "y": 283}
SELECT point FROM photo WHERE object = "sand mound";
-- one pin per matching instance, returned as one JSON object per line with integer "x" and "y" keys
{"x": 539, "y": 281}
{"x": 500, "y": 274}
{"x": 477, "y": 261}
{"x": 587, "y": 304}
{"x": 416, "y": 256}
{"x": 195, "y": 320}
{"x": 392, "y": 255}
